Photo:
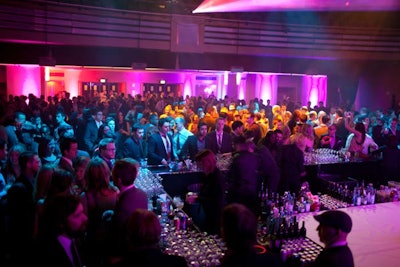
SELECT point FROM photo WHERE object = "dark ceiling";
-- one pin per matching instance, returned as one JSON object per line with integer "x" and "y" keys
{"x": 384, "y": 19}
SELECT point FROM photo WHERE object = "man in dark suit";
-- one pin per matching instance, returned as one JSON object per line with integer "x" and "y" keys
{"x": 106, "y": 151}
{"x": 160, "y": 145}
{"x": 69, "y": 151}
{"x": 195, "y": 143}
{"x": 130, "y": 199}
{"x": 331, "y": 140}
{"x": 63, "y": 226}
{"x": 134, "y": 146}
{"x": 334, "y": 226}
{"x": 244, "y": 178}
{"x": 92, "y": 130}
{"x": 219, "y": 141}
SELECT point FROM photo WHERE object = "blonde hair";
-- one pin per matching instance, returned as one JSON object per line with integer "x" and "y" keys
{"x": 97, "y": 174}
{"x": 299, "y": 140}
{"x": 308, "y": 131}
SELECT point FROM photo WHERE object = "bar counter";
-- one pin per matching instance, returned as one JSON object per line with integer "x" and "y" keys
{"x": 375, "y": 237}
{"x": 176, "y": 182}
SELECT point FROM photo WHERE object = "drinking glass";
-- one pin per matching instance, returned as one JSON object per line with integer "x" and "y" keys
{"x": 171, "y": 165}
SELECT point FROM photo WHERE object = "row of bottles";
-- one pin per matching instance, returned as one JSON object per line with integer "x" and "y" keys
{"x": 279, "y": 228}
{"x": 360, "y": 195}
{"x": 287, "y": 203}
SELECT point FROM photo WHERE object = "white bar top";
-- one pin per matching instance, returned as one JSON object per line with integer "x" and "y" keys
{"x": 375, "y": 236}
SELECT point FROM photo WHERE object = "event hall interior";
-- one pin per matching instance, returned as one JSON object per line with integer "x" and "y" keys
{"x": 317, "y": 52}
{"x": 99, "y": 89}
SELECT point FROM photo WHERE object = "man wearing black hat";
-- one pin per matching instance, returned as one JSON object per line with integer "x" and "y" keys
{"x": 334, "y": 226}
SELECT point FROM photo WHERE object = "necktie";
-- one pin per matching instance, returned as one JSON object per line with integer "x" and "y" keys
{"x": 168, "y": 147}
{"x": 219, "y": 140}
{"x": 178, "y": 141}
{"x": 75, "y": 255}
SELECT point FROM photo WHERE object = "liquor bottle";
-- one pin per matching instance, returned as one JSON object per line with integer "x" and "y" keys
{"x": 273, "y": 241}
{"x": 271, "y": 223}
{"x": 347, "y": 195}
{"x": 303, "y": 230}
{"x": 372, "y": 194}
{"x": 295, "y": 208}
{"x": 283, "y": 229}
{"x": 295, "y": 227}
{"x": 289, "y": 203}
{"x": 262, "y": 199}
{"x": 364, "y": 197}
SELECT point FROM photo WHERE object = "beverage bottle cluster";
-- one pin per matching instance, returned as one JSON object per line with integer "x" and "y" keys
{"x": 360, "y": 195}
{"x": 287, "y": 203}
{"x": 277, "y": 218}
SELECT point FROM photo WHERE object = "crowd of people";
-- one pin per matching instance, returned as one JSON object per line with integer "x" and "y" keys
{"x": 90, "y": 148}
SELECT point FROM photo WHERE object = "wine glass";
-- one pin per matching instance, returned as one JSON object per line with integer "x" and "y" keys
{"x": 171, "y": 165}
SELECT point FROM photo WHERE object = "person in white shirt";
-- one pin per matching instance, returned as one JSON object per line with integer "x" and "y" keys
{"x": 180, "y": 137}
{"x": 358, "y": 142}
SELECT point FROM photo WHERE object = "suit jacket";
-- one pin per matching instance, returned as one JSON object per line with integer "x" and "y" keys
{"x": 212, "y": 144}
{"x": 190, "y": 148}
{"x": 49, "y": 252}
{"x": 269, "y": 169}
{"x": 244, "y": 179}
{"x": 251, "y": 258}
{"x": 340, "y": 256}
{"x": 150, "y": 258}
{"x": 290, "y": 160}
{"x": 128, "y": 201}
{"x": 156, "y": 149}
{"x": 90, "y": 137}
{"x": 134, "y": 150}
{"x": 65, "y": 165}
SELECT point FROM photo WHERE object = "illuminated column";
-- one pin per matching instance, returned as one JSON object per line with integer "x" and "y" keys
{"x": 71, "y": 79}
{"x": 23, "y": 80}
{"x": 134, "y": 85}
{"x": 241, "y": 86}
{"x": 314, "y": 89}
{"x": 223, "y": 83}
{"x": 267, "y": 86}
{"x": 188, "y": 84}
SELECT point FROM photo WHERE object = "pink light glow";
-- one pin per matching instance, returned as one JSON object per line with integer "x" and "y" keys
{"x": 238, "y": 78}
{"x": 23, "y": 80}
{"x": 208, "y": 6}
{"x": 210, "y": 89}
{"x": 187, "y": 86}
{"x": 314, "y": 89}
{"x": 72, "y": 81}
{"x": 268, "y": 86}
{"x": 241, "y": 88}
{"x": 46, "y": 74}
